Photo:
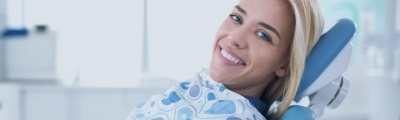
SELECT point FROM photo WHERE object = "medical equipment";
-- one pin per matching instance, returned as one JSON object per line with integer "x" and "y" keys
{"x": 322, "y": 80}
{"x": 29, "y": 58}
{"x": 7, "y": 7}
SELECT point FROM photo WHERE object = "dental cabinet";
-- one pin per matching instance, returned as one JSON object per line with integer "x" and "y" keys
{"x": 41, "y": 102}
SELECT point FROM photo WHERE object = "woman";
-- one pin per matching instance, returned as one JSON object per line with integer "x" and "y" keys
{"x": 258, "y": 56}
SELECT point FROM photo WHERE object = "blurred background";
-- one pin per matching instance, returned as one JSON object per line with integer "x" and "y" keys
{"x": 96, "y": 59}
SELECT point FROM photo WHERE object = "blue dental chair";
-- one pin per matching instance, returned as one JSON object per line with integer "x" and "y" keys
{"x": 322, "y": 81}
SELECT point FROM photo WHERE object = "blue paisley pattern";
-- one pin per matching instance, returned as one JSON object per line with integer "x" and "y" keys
{"x": 196, "y": 99}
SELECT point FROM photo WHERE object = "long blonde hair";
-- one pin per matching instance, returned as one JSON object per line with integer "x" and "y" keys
{"x": 309, "y": 23}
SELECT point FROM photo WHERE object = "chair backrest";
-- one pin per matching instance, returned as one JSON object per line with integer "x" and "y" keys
{"x": 322, "y": 56}
{"x": 324, "y": 66}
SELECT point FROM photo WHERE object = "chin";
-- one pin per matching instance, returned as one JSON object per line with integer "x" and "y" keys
{"x": 219, "y": 74}
{"x": 216, "y": 74}
{"x": 213, "y": 74}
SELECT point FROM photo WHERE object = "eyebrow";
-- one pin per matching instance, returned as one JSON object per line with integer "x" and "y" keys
{"x": 270, "y": 28}
{"x": 267, "y": 26}
{"x": 241, "y": 9}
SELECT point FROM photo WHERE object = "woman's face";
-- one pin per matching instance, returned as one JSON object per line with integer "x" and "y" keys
{"x": 252, "y": 44}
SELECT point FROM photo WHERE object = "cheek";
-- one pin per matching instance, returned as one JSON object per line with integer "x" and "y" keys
{"x": 265, "y": 57}
{"x": 223, "y": 30}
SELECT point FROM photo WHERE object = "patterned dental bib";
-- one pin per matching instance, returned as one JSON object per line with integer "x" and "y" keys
{"x": 200, "y": 98}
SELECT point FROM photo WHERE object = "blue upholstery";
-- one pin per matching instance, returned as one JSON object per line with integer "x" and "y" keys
{"x": 297, "y": 112}
{"x": 326, "y": 49}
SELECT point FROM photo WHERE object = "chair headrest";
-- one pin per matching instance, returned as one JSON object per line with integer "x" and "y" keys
{"x": 329, "y": 45}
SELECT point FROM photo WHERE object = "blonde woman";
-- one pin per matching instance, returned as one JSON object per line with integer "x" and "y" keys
{"x": 258, "y": 56}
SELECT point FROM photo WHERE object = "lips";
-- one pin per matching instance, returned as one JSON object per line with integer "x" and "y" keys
{"x": 231, "y": 57}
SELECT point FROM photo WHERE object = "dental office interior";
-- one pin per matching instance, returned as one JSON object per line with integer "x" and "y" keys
{"x": 96, "y": 59}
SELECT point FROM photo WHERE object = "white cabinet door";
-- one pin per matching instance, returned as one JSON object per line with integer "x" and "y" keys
{"x": 107, "y": 103}
{"x": 71, "y": 103}
{"x": 99, "y": 104}
{"x": 46, "y": 103}
{"x": 9, "y": 103}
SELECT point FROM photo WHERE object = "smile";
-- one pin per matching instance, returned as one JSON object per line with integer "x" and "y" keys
{"x": 231, "y": 58}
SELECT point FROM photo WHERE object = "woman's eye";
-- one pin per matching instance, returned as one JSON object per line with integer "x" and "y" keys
{"x": 264, "y": 36}
{"x": 236, "y": 18}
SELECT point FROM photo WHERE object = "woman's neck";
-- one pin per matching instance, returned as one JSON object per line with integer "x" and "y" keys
{"x": 253, "y": 91}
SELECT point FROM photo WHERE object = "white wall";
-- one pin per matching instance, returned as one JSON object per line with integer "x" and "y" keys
{"x": 181, "y": 35}
{"x": 102, "y": 40}
{"x": 98, "y": 40}
{"x": 15, "y": 17}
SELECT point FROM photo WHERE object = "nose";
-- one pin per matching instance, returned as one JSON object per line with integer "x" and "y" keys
{"x": 237, "y": 38}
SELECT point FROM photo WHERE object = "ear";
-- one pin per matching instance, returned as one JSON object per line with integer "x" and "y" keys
{"x": 282, "y": 70}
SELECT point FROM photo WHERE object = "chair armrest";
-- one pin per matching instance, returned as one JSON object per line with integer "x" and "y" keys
{"x": 297, "y": 112}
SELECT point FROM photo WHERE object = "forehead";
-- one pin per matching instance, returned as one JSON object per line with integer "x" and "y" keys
{"x": 276, "y": 13}
{"x": 268, "y": 7}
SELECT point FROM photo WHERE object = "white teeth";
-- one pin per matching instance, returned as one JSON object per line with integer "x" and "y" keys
{"x": 230, "y": 57}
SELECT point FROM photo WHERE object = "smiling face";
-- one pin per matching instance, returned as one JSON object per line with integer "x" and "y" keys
{"x": 252, "y": 46}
